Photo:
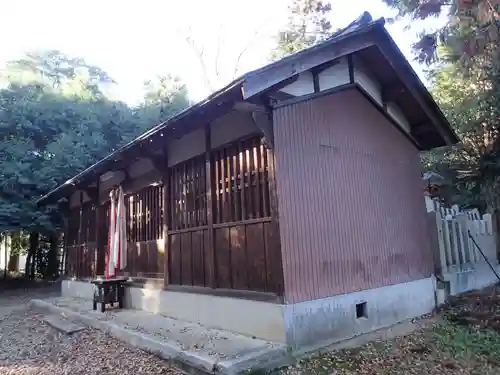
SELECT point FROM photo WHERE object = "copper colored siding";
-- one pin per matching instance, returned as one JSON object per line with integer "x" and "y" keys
{"x": 352, "y": 213}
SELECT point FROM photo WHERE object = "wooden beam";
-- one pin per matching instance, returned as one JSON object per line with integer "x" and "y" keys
{"x": 93, "y": 192}
{"x": 422, "y": 129}
{"x": 276, "y": 263}
{"x": 96, "y": 202}
{"x": 80, "y": 227}
{"x": 166, "y": 219}
{"x": 212, "y": 274}
{"x": 350, "y": 66}
{"x": 127, "y": 180}
{"x": 414, "y": 85}
{"x": 392, "y": 92}
{"x": 158, "y": 160}
{"x": 315, "y": 75}
{"x": 265, "y": 123}
{"x": 245, "y": 106}
{"x": 381, "y": 109}
{"x": 318, "y": 69}
{"x": 276, "y": 73}
{"x": 279, "y": 85}
{"x": 63, "y": 206}
{"x": 280, "y": 96}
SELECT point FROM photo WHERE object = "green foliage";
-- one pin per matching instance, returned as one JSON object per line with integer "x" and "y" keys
{"x": 307, "y": 25}
{"x": 466, "y": 83}
{"x": 69, "y": 75}
{"x": 165, "y": 97}
{"x": 471, "y": 30}
{"x": 19, "y": 242}
{"x": 55, "y": 121}
{"x": 466, "y": 342}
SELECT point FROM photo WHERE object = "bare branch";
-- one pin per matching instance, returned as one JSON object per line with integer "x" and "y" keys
{"x": 198, "y": 51}
{"x": 252, "y": 39}
{"x": 219, "y": 43}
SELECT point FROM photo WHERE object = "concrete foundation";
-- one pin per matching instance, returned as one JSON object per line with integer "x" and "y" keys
{"x": 314, "y": 324}
{"x": 302, "y": 326}
{"x": 252, "y": 318}
{"x": 475, "y": 278}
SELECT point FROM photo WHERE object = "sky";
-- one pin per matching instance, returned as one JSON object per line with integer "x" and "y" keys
{"x": 135, "y": 40}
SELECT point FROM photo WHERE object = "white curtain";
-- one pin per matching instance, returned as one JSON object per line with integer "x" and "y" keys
{"x": 117, "y": 249}
{"x": 121, "y": 225}
{"x": 111, "y": 265}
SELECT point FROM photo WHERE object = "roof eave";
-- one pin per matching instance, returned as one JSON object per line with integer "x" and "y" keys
{"x": 102, "y": 165}
{"x": 415, "y": 85}
{"x": 261, "y": 80}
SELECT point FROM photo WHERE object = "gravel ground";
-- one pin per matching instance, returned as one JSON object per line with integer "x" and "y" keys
{"x": 29, "y": 346}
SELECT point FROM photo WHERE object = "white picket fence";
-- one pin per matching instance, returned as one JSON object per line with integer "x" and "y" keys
{"x": 455, "y": 249}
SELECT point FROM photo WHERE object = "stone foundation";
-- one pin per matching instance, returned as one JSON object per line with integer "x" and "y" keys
{"x": 303, "y": 326}
{"x": 317, "y": 323}
{"x": 462, "y": 281}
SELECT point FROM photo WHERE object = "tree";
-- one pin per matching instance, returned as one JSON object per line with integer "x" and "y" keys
{"x": 307, "y": 25}
{"x": 55, "y": 121}
{"x": 165, "y": 96}
{"x": 52, "y": 68}
{"x": 471, "y": 29}
{"x": 212, "y": 74}
{"x": 466, "y": 83}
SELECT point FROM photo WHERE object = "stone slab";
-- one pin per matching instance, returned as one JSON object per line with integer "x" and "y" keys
{"x": 63, "y": 325}
{"x": 192, "y": 346}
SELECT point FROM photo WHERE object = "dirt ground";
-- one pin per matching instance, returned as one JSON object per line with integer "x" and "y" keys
{"x": 29, "y": 346}
{"x": 462, "y": 338}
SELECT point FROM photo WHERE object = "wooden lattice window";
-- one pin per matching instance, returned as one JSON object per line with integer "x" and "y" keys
{"x": 144, "y": 214}
{"x": 241, "y": 182}
{"x": 188, "y": 194}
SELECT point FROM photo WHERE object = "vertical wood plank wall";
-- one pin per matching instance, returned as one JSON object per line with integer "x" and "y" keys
{"x": 352, "y": 213}
{"x": 222, "y": 237}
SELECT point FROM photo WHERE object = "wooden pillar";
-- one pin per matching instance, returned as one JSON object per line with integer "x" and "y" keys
{"x": 277, "y": 262}
{"x": 166, "y": 216}
{"x": 97, "y": 227}
{"x": 79, "y": 247}
{"x": 211, "y": 261}
{"x": 350, "y": 65}
{"x": 64, "y": 261}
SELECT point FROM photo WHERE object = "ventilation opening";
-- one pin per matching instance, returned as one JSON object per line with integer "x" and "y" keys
{"x": 361, "y": 310}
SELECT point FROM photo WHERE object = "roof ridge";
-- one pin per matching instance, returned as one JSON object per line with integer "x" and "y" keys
{"x": 362, "y": 20}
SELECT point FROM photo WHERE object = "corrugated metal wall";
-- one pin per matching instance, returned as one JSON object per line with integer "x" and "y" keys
{"x": 352, "y": 213}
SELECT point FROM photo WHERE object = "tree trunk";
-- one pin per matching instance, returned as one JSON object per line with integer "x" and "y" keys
{"x": 53, "y": 266}
{"x": 31, "y": 258}
{"x": 3, "y": 245}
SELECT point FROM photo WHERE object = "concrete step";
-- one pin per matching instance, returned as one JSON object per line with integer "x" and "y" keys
{"x": 190, "y": 346}
{"x": 63, "y": 325}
